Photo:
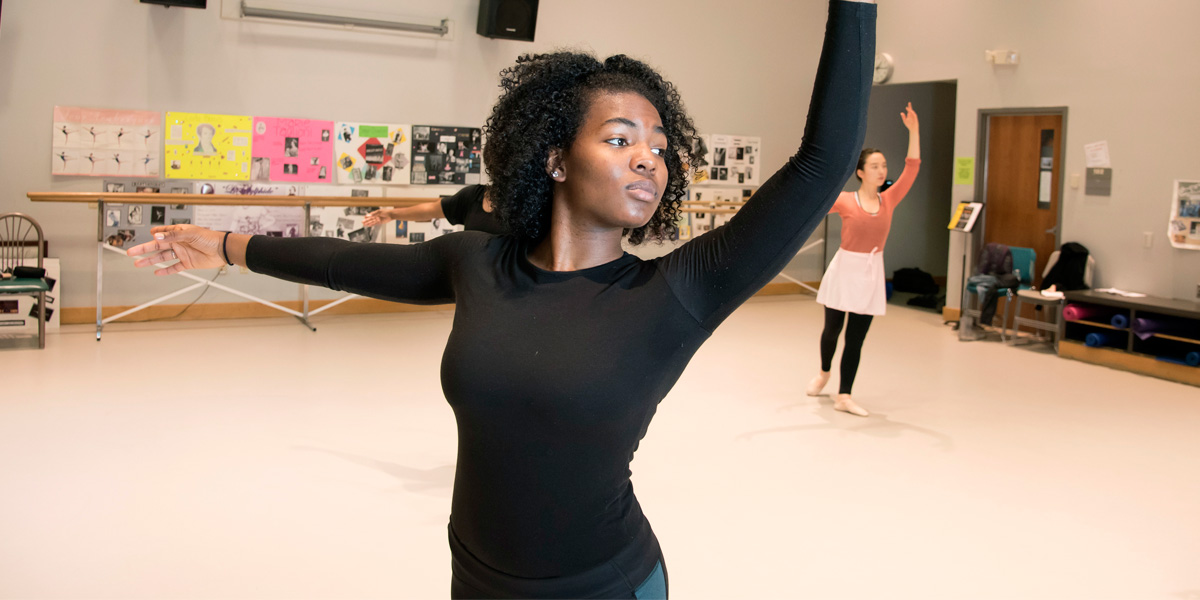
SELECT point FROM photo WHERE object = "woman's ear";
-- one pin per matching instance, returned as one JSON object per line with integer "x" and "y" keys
{"x": 554, "y": 165}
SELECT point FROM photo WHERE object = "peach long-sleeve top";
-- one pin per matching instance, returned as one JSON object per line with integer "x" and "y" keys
{"x": 863, "y": 231}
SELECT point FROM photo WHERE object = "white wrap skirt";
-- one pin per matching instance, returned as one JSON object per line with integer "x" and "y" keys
{"x": 854, "y": 282}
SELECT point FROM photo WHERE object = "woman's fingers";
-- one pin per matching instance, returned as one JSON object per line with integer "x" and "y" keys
{"x": 160, "y": 257}
{"x": 148, "y": 247}
{"x": 171, "y": 269}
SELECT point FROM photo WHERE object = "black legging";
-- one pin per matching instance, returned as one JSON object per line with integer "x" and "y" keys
{"x": 856, "y": 332}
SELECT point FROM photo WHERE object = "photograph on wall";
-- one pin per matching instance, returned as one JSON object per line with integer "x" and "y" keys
{"x": 371, "y": 154}
{"x": 343, "y": 222}
{"x": 276, "y": 221}
{"x": 129, "y": 224}
{"x": 204, "y": 146}
{"x": 447, "y": 155}
{"x": 728, "y": 159}
{"x": 292, "y": 150}
{"x": 98, "y": 142}
{"x": 1184, "y": 226}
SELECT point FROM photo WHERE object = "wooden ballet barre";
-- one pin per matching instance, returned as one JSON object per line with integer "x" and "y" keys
{"x": 707, "y": 203}
{"x": 99, "y": 200}
{"x": 715, "y": 211}
{"x": 222, "y": 199}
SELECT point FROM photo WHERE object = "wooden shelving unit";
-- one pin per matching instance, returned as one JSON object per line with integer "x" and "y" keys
{"x": 1129, "y": 352}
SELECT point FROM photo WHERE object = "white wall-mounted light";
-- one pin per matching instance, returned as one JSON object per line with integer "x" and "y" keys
{"x": 1002, "y": 57}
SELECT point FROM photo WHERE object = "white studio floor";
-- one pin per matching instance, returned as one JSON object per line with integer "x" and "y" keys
{"x": 256, "y": 459}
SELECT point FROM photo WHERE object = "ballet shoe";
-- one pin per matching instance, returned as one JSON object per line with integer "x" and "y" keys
{"x": 818, "y": 383}
{"x": 845, "y": 404}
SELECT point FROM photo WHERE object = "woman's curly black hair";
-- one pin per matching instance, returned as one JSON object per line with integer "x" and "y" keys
{"x": 542, "y": 106}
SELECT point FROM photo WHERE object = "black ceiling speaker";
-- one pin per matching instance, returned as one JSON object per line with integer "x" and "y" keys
{"x": 507, "y": 19}
{"x": 184, "y": 3}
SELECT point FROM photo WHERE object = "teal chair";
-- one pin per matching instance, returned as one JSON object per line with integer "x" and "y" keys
{"x": 22, "y": 243}
{"x": 1024, "y": 262}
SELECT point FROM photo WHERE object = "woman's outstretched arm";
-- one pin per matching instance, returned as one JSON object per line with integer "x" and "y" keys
{"x": 416, "y": 274}
{"x": 713, "y": 274}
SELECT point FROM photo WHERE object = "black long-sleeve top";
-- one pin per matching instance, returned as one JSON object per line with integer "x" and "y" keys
{"x": 466, "y": 208}
{"x": 554, "y": 376}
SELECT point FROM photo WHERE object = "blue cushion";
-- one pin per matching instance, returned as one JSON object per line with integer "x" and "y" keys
{"x": 22, "y": 285}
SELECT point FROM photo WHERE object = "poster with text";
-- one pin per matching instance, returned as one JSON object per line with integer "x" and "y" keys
{"x": 364, "y": 153}
{"x": 729, "y": 160}
{"x": 100, "y": 142}
{"x": 447, "y": 155}
{"x": 1184, "y": 227}
{"x": 344, "y": 222}
{"x": 204, "y": 146}
{"x": 292, "y": 150}
{"x": 275, "y": 221}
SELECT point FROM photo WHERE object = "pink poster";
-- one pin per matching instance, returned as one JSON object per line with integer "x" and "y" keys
{"x": 292, "y": 150}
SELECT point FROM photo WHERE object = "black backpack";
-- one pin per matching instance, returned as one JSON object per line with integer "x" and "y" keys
{"x": 914, "y": 281}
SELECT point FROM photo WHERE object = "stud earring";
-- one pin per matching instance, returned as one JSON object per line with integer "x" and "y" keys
{"x": 554, "y": 174}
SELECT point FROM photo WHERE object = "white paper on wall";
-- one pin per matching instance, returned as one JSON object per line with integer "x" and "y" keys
{"x": 275, "y": 221}
{"x": 344, "y": 222}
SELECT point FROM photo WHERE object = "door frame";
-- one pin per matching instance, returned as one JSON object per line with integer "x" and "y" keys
{"x": 981, "y": 161}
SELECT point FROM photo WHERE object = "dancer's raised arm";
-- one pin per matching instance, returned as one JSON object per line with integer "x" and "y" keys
{"x": 716, "y": 272}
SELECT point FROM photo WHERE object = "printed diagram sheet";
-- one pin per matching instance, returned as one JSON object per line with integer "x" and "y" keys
{"x": 372, "y": 154}
{"x": 447, "y": 155}
{"x": 292, "y": 150}
{"x": 204, "y": 146}
{"x": 98, "y": 142}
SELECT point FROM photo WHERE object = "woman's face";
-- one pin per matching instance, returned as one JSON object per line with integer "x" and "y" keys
{"x": 615, "y": 172}
{"x": 874, "y": 171}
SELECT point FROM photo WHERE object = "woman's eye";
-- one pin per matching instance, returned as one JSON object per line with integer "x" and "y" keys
{"x": 617, "y": 141}
{"x": 659, "y": 151}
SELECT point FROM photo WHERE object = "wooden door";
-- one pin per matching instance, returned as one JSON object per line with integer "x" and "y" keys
{"x": 1013, "y": 213}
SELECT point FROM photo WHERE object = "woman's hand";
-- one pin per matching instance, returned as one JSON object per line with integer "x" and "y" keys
{"x": 377, "y": 217}
{"x": 194, "y": 247}
{"x": 909, "y": 117}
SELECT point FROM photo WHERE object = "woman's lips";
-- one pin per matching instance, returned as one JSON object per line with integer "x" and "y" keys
{"x": 644, "y": 190}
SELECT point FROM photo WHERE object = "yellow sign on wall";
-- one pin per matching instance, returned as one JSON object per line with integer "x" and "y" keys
{"x": 964, "y": 171}
{"x": 203, "y": 146}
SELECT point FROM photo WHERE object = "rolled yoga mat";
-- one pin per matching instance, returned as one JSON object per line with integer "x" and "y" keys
{"x": 1191, "y": 359}
{"x": 1144, "y": 327}
{"x": 1097, "y": 340}
{"x": 1090, "y": 312}
{"x": 1120, "y": 321}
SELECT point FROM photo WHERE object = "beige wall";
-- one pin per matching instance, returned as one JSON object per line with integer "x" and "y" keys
{"x": 750, "y": 75}
{"x": 1125, "y": 72}
{"x": 743, "y": 67}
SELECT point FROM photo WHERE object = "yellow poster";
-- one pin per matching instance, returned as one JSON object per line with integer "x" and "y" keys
{"x": 964, "y": 171}
{"x": 202, "y": 146}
